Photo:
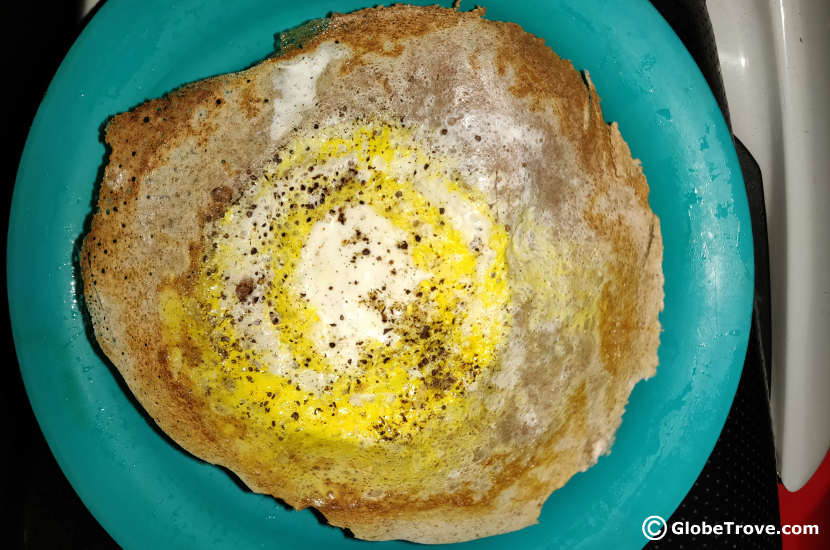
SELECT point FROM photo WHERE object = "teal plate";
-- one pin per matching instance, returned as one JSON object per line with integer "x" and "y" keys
{"x": 150, "y": 494}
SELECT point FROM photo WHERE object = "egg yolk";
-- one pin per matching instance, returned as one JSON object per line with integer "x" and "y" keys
{"x": 356, "y": 290}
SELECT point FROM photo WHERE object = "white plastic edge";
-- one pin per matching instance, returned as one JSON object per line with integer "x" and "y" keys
{"x": 773, "y": 56}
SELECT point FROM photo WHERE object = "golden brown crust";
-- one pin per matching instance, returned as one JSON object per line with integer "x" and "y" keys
{"x": 176, "y": 163}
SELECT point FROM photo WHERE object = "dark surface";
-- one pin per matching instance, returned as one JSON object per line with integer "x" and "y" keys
{"x": 737, "y": 484}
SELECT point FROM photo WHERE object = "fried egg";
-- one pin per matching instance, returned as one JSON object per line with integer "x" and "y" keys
{"x": 354, "y": 291}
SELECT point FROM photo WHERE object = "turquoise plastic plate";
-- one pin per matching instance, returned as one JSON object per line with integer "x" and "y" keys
{"x": 149, "y": 494}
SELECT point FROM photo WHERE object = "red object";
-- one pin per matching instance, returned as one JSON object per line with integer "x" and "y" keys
{"x": 810, "y": 505}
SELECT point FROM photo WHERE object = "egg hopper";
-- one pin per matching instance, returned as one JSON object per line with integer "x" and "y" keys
{"x": 146, "y": 491}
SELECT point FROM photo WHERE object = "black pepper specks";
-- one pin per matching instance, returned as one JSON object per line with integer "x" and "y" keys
{"x": 268, "y": 243}
{"x": 244, "y": 288}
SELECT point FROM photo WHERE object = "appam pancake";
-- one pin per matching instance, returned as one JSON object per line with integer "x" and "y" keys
{"x": 467, "y": 379}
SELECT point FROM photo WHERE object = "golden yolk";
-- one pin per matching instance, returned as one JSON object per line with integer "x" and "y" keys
{"x": 447, "y": 331}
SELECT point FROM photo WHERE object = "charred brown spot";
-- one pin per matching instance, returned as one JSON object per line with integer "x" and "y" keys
{"x": 221, "y": 194}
